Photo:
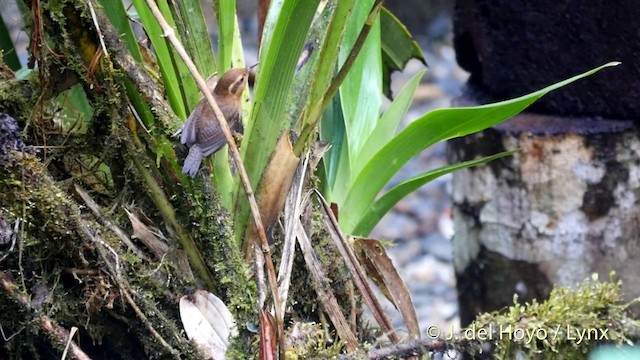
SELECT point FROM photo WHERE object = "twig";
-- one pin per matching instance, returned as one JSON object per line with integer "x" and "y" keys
{"x": 95, "y": 23}
{"x": 291, "y": 214}
{"x": 355, "y": 269}
{"x": 73, "y": 331}
{"x": 169, "y": 32}
{"x": 124, "y": 287}
{"x": 325, "y": 294}
{"x": 93, "y": 206}
{"x": 353, "y": 55}
{"x": 145, "y": 320}
{"x": 58, "y": 334}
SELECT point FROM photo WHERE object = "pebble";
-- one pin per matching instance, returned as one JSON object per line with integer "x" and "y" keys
{"x": 439, "y": 246}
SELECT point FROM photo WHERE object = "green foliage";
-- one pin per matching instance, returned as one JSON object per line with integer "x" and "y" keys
{"x": 435, "y": 126}
{"x": 7, "y": 50}
{"x": 283, "y": 38}
{"x": 364, "y": 155}
{"x": 397, "y": 48}
{"x": 569, "y": 324}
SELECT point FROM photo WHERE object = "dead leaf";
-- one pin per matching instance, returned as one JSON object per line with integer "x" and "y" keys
{"x": 380, "y": 269}
{"x": 274, "y": 186}
{"x": 144, "y": 234}
{"x": 268, "y": 343}
{"x": 208, "y": 322}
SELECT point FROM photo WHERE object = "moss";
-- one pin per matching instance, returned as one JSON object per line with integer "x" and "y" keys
{"x": 213, "y": 234}
{"x": 569, "y": 324}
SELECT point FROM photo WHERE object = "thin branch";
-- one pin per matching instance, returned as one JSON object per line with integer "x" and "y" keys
{"x": 56, "y": 332}
{"x": 124, "y": 287}
{"x": 323, "y": 289}
{"x": 355, "y": 269}
{"x": 72, "y": 333}
{"x": 95, "y": 208}
{"x": 353, "y": 55}
{"x": 169, "y": 32}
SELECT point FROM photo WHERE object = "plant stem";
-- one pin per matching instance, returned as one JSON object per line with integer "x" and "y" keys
{"x": 264, "y": 244}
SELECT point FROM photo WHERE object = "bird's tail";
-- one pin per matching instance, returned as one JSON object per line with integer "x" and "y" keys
{"x": 192, "y": 162}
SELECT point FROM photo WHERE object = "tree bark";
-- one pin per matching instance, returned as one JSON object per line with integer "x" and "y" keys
{"x": 566, "y": 205}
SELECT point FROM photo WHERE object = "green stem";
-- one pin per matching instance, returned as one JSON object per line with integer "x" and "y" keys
{"x": 169, "y": 215}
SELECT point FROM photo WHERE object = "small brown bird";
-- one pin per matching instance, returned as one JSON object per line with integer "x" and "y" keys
{"x": 201, "y": 132}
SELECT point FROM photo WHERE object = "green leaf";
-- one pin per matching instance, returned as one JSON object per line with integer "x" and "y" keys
{"x": 9, "y": 55}
{"x": 336, "y": 160}
{"x": 359, "y": 96}
{"x": 360, "y": 91}
{"x": 75, "y": 110}
{"x": 223, "y": 179}
{"x": 225, "y": 11}
{"x": 435, "y": 126}
{"x": 117, "y": 15}
{"x": 285, "y": 30}
{"x": 174, "y": 79}
{"x": 375, "y": 213}
{"x": 398, "y": 47}
{"x": 329, "y": 53}
{"x": 388, "y": 123}
{"x": 194, "y": 34}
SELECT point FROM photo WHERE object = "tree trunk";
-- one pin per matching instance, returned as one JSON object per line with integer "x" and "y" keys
{"x": 566, "y": 205}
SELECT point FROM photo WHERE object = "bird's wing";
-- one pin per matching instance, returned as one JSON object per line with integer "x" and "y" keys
{"x": 215, "y": 140}
{"x": 213, "y": 144}
{"x": 188, "y": 136}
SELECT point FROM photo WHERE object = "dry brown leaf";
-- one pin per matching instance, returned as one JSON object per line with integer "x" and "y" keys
{"x": 268, "y": 343}
{"x": 357, "y": 274}
{"x": 324, "y": 291}
{"x": 373, "y": 256}
{"x": 144, "y": 234}
{"x": 274, "y": 185}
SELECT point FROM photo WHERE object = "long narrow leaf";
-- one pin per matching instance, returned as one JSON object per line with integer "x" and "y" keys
{"x": 336, "y": 161}
{"x": 9, "y": 55}
{"x": 223, "y": 180}
{"x": 329, "y": 52}
{"x": 360, "y": 95}
{"x": 225, "y": 11}
{"x": 386, "y": 202}
{"x": 194, "y": 34}
{"x": 187, "y": 85}
{"x": 388, "y": 124}
{"x": 283, "y": 38}
{"x": 397, "y": 47}
{"x": 435, "y": 126}
{"x": 360, "y": 91}
{"x": 117, "y": 14}
{"x": 170, "y": 74}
